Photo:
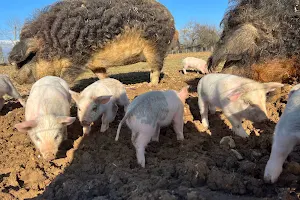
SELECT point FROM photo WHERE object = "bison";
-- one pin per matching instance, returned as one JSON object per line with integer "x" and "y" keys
{"x": 70, "y": 36}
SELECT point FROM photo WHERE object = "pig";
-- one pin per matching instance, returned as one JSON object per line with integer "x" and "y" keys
{"x": 286, "y": 136}
{"x": 194, "y": 63}
{"x": 47, "y": 115}
{"x": 238, "y": 97}
{"x": 100, "y": 98}
{"x": 6, "y": 87}
{"x": 150, "y": 111}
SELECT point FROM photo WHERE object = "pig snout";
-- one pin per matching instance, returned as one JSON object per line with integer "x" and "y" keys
{"x": 85, "y": 123}
{"x": 259, "y": 117}
{"x": 49, "y": 155}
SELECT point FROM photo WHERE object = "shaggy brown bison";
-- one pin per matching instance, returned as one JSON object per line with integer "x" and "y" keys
{"x": 257, "y": 32}
{"x": 69, "y": 36}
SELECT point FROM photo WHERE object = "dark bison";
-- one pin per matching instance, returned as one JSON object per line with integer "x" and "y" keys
{"x": 69, "y": 36}
{"x": 257, "y": 33}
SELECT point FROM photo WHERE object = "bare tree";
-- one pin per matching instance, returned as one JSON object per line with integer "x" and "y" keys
{"x": 1, "y": 56}
{"x": 195, "y": 34}
{"x": 12, "y": 30}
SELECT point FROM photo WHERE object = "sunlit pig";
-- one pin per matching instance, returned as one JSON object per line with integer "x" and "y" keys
{"x": 47, "y": 115}
{"x": 286, "y": 136}
{"x": 239, "y": 98}
{"x": 194, "y": 63}
{"x": 149, "y": 112}
{"x": 6, "y": 87}
{"x": 100, "y": 98}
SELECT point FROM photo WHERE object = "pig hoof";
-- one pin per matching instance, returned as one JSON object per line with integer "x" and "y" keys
{"x": 205, "y": 124}
{"x": 180, "y": 138}
{"x": 269, "y": 179}
{"x": 103, "y": 129}
{"x": 142, "y": 163}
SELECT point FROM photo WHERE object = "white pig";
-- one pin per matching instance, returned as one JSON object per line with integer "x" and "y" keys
{"x": 286, "y": 136}
{"x": 194, "y": 63}
{"x": 150, "y": 111}
{"x": 6, "y": 87}
{"x": 100, "y": 98}
{"x": 238, "y": 98}
{"x": 47, "y": 115}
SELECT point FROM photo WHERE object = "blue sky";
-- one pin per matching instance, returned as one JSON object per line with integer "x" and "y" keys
{"x": 202, "y": 11}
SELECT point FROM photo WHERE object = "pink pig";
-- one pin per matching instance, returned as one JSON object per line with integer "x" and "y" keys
{"x": 100, "y": 99}
{"x": 286, "y": 136}
{"x": 47, "y": 115}
{"x": 149, "y": 112}
{"x": 238, "y": 98}
{"x": 6, "y": 87}
{"x": 194, "y": 63}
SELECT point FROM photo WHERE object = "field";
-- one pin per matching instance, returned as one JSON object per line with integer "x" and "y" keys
{"x": 96, "y": 167}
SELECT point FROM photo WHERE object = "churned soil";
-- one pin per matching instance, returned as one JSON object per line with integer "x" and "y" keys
{"x": 97, "y": 167}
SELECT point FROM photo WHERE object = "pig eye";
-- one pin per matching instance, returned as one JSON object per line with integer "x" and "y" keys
{"x": 247, "y": 102}
{"x": 56, "y": 137}
{"x": 95, "y": 108}
{"x": 37, "y": 139}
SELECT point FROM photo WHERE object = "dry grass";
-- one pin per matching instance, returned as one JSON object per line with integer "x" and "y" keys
{"x": 172, "y": 62}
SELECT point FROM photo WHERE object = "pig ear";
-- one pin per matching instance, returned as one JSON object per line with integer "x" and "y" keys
{"x": 26, "y": 126}
{"x": 66, "y": 121}
{"x": 75, "y": 95}
{"x": 234, "y": 95}
{"x": 102, "y": 99}
{"x": 184, "y": 92}
{"x": 271, "y": 86}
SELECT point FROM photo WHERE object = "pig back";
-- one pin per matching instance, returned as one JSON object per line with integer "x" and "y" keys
{"x": 48, "y": 99}
{"x": 289, "y": 122}
{"x": 155, "y": 107}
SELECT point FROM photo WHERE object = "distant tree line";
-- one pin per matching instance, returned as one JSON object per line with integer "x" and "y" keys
{"x": 197, "y": 37}
{"x": 2, "y": 60}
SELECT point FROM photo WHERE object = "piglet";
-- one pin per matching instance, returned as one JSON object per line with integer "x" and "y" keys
{"x": 6, "y": 87}
{"x": 194, "y": 63}
{"x": 149, "y": 112}
{"x": 100, "y": 98}
{"x": 286, "y": 136}
{"x": 238, "y": 98}
{"x": 47, "y": 115}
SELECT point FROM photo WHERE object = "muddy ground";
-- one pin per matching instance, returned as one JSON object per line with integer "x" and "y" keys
{"x": 96, "y": 167}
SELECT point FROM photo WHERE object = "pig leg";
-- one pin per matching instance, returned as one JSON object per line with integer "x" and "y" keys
{"x": 212, "y": 109}
{"x": 156, "y": 135}
{"x": 282, "y": 146}
{"x": 184, "y": 68}
{"x": 108, "y": 117}
{"x": 203, "y": 107}
{"x": 123, "y": 101}
{"x": 86, "y": 130}
{"x": 155, "y": 60}
{"x": 1, "y": 103}
{"x": 15, "y": 94}
{"x": 236, "y": 125}
{"x": 142, "y": 140}
{"x": 178, "y": 125}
